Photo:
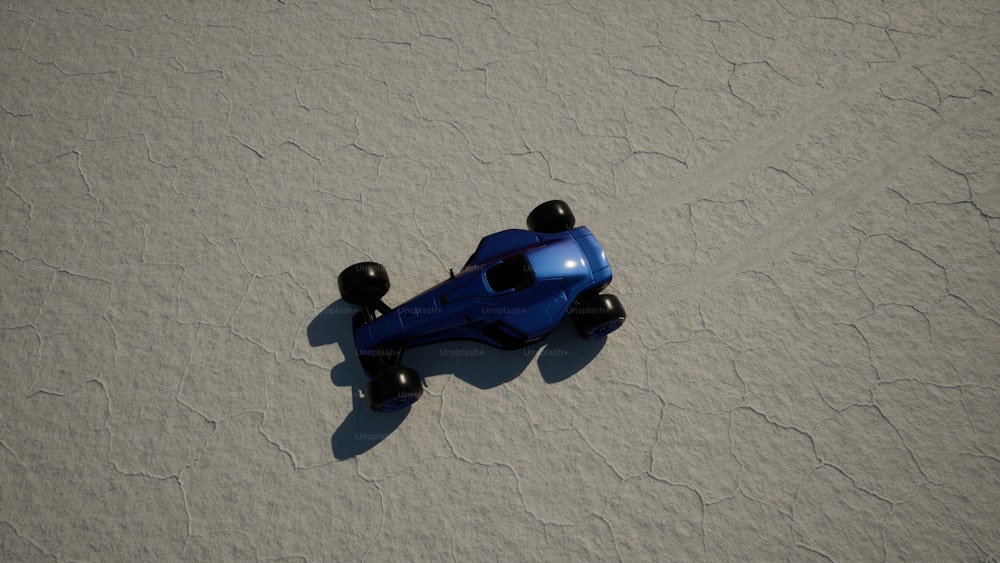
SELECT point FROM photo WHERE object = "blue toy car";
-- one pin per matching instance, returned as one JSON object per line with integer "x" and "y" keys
{"x": 514, "y": 290}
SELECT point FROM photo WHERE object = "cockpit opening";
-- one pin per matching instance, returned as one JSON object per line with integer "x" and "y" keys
{"x": 512, "y": 273}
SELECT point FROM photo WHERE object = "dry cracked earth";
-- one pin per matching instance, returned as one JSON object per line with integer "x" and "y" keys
{"x": 800, "y": 201}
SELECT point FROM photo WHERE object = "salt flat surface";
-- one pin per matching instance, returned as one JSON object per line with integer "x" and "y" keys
{"x": 800, "y": 201}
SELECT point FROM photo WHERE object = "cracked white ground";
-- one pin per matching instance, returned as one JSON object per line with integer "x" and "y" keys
{"x": 800, "y": 201}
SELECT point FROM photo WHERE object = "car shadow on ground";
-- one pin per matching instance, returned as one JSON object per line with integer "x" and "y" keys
{"x": 559, "y": 356}
{"x": 362, "y": 428}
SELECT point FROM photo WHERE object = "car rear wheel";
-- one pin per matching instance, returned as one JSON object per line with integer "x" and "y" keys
{"x": 394, "y": 388}
{"x": 363, "y": 283}
{"x": 551, "y": 217}
{"x": 597, "y": 315}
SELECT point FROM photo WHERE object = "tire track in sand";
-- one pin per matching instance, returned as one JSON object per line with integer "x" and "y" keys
{"x": 835, "y": 199}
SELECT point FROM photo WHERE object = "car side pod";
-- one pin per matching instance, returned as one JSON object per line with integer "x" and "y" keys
{"x": 514, "y": 291}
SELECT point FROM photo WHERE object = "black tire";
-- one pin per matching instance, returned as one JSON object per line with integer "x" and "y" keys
{"x": 394, "y": 388}
{"x": 597, "y": 315}
{"x": 551, "y": 217}
{"x": 363, "y": 283}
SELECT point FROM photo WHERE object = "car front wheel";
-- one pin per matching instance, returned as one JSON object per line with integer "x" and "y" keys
{"x": 597, "y": 315}
{"x": 394, "y": 388}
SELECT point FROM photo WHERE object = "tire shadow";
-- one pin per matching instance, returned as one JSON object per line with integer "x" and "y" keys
{"x": 565, "y": 353}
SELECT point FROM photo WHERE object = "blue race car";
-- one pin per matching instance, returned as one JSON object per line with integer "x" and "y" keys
{"x": 513, "y": 291}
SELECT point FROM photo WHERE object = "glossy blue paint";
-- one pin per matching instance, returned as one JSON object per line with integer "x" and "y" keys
{"x": 513, "y": 291}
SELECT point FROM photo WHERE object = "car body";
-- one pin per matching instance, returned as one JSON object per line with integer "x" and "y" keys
{"x": 514, "y": 290}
